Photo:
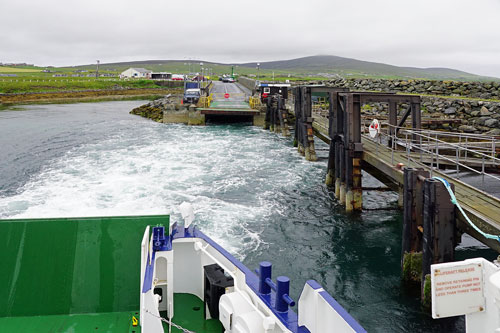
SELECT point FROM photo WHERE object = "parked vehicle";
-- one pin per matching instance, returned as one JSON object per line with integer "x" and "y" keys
{"x": 177, "y": 77}
{"x": 192, "y": 93}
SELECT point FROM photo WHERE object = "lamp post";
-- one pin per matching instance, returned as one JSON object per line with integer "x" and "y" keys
{"x": 258, "y": 71}
{"x": 201, "y": 73}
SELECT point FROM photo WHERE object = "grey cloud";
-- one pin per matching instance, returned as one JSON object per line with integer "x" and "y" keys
{"x": 447, "y": 33}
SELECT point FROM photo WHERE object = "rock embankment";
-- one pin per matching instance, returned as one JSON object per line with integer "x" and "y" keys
{"x": 471, "y": 107}
{"x": 470, "y": 116}
{"x": 78, "y": 96}
{"x": 154, "y": 110}
{"x": 168, "y": 110}
{"x": 476, "y": 90}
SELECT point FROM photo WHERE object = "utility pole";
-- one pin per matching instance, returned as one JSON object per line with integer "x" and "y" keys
{"x": 97, "y": 70}
{"x": 201, "y": 77}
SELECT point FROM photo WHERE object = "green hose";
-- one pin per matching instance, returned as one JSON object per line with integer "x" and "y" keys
{"x": 455, "y": 202}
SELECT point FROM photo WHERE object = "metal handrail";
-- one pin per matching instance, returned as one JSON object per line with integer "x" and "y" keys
{"x": 432, "y": 135}
{"x": 413, "y": 132}
{"x": 436, "y": 144}
{"x": 478, "y": 142}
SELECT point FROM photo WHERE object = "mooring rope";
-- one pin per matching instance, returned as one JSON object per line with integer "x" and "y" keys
{"x": 179, "y": 327}
{"x": 455, "y": 202}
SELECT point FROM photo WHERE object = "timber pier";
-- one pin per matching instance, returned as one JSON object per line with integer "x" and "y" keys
{"x": 423, "y": 166}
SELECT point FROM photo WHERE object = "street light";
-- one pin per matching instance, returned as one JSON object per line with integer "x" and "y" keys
{"x": 201, "y": 73}
{"x": 258, "y": 71}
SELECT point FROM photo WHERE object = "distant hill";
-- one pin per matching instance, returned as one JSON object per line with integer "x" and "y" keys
{"x": 348, "y": 67}
{"x": 313, "y": 66}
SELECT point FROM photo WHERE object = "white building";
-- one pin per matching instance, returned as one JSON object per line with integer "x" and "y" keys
{"x": 141, "y": 73}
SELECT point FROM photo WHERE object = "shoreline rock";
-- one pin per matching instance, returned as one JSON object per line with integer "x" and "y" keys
{"x": 154, "y": 109}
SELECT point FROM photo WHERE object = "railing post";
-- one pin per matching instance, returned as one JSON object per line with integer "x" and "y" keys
{"x": 482, "y": 171}
{"x": 421, "y": 152}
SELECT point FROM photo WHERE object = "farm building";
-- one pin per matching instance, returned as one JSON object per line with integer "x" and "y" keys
{"x": 161, "y": 76}
{"x": 136, "y": 73}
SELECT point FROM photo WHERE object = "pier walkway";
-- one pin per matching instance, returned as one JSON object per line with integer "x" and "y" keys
{"x": 386, "y": 164}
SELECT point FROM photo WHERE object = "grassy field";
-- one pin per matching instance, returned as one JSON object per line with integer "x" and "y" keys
{"x": 28, "y": 84}
{"x": 10, "y": 70}
{"x": 33, "y": 80}
{"x": 34, "y": 85}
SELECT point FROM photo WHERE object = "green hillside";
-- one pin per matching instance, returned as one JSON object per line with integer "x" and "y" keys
{"x": 306, "y": 67}
{"x": 352, "y": 67}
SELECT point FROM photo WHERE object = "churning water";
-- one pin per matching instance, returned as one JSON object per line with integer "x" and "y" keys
{"x": 251, "y": 190}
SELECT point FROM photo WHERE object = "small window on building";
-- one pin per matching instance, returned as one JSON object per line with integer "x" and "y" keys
{"x": 267, "y": 90}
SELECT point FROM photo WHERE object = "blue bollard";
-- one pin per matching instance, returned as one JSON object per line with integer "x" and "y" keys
{"x": 265, "y": 272}
{"x": 282, "y": 290}
{"x": 159, "y": 240}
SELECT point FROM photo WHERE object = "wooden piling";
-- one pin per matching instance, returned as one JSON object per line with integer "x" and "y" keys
{"x": 283, "y": 117}
{"x": 267, "y": 121}
{"x": 337, "y": 188}
{"x": 438, "y": 231}
{"x": 353, "y": 153}
{"x": 357, "y": 189}
{"x": 411, "y": 249}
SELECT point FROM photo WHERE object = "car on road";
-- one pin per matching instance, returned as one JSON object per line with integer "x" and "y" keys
{"x": 228, "y": 79}
{"x": 177, "y": 77}
{"x": 191, "y": 96}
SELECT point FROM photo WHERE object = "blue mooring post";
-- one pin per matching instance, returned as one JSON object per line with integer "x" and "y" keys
{"x": 159, "y": 241}
{"x": 282, "y": 298}
{"x": 265, "y": 271}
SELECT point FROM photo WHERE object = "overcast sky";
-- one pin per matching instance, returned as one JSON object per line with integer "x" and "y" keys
{"x": 460, "y": 34}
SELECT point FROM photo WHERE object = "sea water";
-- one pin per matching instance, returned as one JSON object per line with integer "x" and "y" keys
{"x": 251, "y": 190}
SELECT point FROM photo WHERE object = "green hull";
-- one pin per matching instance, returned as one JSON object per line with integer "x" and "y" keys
{"x": 71, "y": 265}
{"x": 188, "y": 313}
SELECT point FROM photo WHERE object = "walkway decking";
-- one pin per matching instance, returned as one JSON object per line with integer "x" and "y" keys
{"x": 482, "y": 208}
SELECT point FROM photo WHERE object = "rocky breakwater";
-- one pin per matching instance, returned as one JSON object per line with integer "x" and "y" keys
{"x": 154, "y": 110}
{"x": 475, "y": 116}
{"x": 450, "y": 114}
{"x": 169, "y": 110}
{"x": 471, "y": 107}
{"x": 477, "y": 90}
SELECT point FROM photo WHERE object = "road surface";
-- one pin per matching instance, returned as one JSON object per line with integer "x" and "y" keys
{"x": 237, "y": 96}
